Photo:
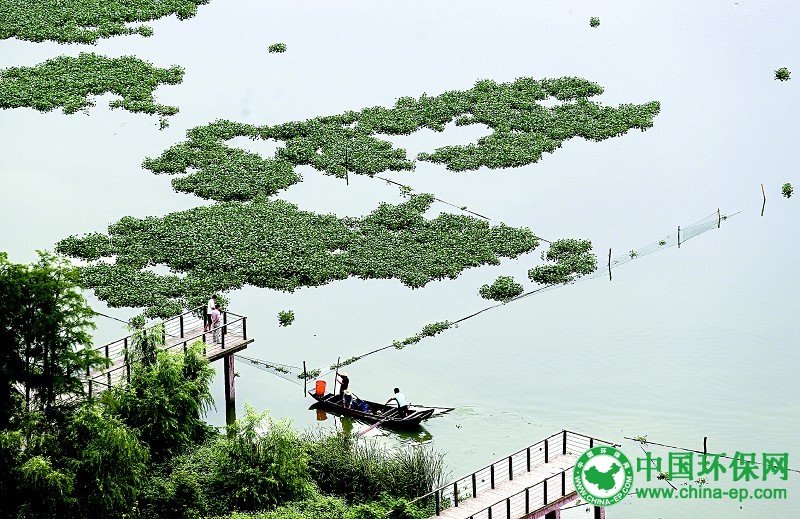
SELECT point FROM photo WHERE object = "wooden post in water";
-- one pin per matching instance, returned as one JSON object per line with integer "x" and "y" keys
{"x": 679, "y": 236}
{"x": 719, "y": 218}
{"x": 609, "y": 263}
{"x": 336, "y": 376}
{"x": 346, "y": 173}
{"x": 705, "y": 445}
{"x": 230, "y": 389}
{"x": 305, "y": 380}
{"x": 764, "y": 204}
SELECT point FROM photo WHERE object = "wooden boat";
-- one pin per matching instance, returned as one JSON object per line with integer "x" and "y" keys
{"x": 386, "y": 414}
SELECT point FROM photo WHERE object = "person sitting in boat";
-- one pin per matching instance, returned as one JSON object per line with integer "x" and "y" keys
{"x": 402, "y": 403}
{"x": 347, "y": 399}
{"x": 344, "y": 380}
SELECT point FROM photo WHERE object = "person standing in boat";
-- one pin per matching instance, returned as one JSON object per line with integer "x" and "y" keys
{"x": 402, "y": 403}
{"x": 347, "y": 398}
{"x": 344, "y": 380}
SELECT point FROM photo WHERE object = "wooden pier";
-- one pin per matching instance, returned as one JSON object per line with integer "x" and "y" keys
{"x": 533, "y": 483}
{"x": 179, "y": 332}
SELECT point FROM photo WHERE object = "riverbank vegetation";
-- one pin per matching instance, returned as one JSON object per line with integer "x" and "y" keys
{"x": 143, "y": 451}
{"x": 67, "y": 82}
{"x": 86, "y": 21}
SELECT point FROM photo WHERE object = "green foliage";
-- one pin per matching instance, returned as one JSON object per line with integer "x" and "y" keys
{"x": 85, "y": 21}
{"x": 277, "y": 47}
{"x": 429, "y": 330}
{"x": 320, "y": 507}
{"x": 67, "y": 82}
{"x": 233, "y": 247}
{"x": 522, "y": 128}
{"x": 45, "y": 344}
{"x": 594, "y": 21}
{"x": 358, "y": 471}
{"x": 310, "y": 374}
{"x": 633, "y": 254}
{"x": 165, "y": 400}
{"x": 572, "y": 259}
{"x": 787, "y": 190}
{"x": 88, "y": 464}
{"x": 261, "y": 463}
{"x": 783, "y": 74}
{"x": 503, "y": 289}
{"x": 285, "y": 317}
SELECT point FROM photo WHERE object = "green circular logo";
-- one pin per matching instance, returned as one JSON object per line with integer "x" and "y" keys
{"x": 603, "y": 476}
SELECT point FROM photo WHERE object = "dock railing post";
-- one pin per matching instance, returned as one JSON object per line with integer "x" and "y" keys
{"x": 438, "y": 503}
{"x": 564, "y": 451}
{"x": 244, "y": 328}
{"x": 544, "y": 502}
{"x": 529, "y": 458}
{"x": 455, "y": 494}
{"x": 563, "y": 483}
{"x": 181, "y": 322}
{"x": 510, "y": 469}
{"x": 474, "y": 486}
{"x": 547, "y": 451}
{"x": 491, "y": 474}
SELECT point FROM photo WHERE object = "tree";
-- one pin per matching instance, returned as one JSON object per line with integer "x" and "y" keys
{"x": 45, "y": 344}
{"x": 166, "y": 398}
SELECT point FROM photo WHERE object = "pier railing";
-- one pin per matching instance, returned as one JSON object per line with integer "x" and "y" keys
{"x": 177, "y": 332}
{"x": 505, "y": 469}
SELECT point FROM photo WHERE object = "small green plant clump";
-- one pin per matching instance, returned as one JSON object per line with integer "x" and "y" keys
{"x": 572, "y": 259}
{"x": 86, "y": 21}
{"x": 787, "y": 190}
{"x": 286, "y": 317}
{"x": 428, "y": 330}
{"x": 503, "y": 289}
{"x": 783, "y": 74}
{"x": 310, "y": 374}
{"x": 633, "y": 254}
{"x": 67, "y": 82}
{"x": 277, "y": 47}
{"x": 594, "y": 21}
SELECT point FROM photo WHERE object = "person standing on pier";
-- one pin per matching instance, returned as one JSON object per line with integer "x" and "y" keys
{"x": 215, "y": 320}
{"x": 207, "y": 313}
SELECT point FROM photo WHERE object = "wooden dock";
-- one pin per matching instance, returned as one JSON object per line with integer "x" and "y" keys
{"x": 178, "y": 332}
{"x": 535, "y": 482}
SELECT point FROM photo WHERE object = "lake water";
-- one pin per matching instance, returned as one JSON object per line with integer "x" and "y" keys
{"x": 686, "y": 343}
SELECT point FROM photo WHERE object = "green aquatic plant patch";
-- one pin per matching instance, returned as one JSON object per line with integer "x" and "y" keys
{"x": 285, "y": 317}
{"x": 594, "y": 21}
{"x": 522, "y": 131}
{"x": 571, "y": 260}
{"x": 787, "y": 190}
{"x": 277, "y": 47}
{"x": 67, "y": 82}
{"x": 86, "y": 21}
{"x": 503, "y": 289}
{"x": 273, "y": 244}
{"x": 783, "y": 74}
{"x": 429, "y": 330}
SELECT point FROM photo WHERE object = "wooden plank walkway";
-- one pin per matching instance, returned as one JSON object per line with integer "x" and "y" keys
{"x": 179, "y": 332}
{"x": 485, "y": 499}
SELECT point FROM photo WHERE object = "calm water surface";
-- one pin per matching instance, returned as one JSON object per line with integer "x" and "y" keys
{"x": 686, "y": 343}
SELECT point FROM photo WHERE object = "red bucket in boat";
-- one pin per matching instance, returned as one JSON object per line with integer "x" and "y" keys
{"x": 320, "y": 387}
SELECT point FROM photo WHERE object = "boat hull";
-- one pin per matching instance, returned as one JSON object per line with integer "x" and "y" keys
{"x": 385, "y": 414}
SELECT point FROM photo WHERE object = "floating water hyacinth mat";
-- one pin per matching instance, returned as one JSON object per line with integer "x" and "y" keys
{"x": 783, "y": 74}
{"x": 85, "y": 21}
{"x": 277, "y": 47}
{"x": 272, "y": 244}
{"x": 503, "y": 289}
{"x": 67, "y": 82}
{"x": 571, "y": 260}
{"x": 522, "y": 128}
